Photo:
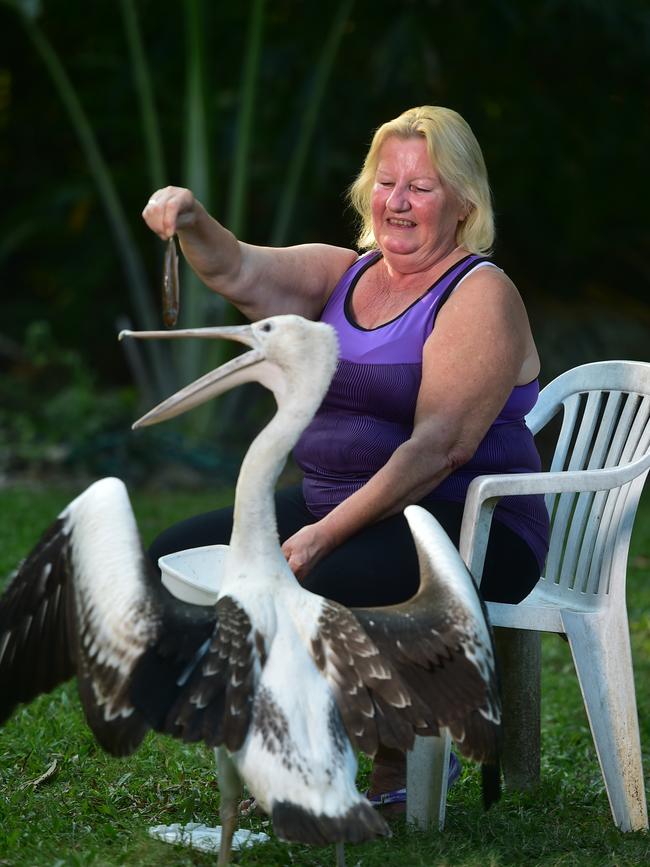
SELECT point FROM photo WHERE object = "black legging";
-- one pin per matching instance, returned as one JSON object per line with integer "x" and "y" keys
{"x": 378, "y": 565}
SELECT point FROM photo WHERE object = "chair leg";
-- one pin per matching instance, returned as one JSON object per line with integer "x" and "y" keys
{"x": 519, "y": 660}
{"x": 601, "y": 652}
{"x": 427, "y": 773}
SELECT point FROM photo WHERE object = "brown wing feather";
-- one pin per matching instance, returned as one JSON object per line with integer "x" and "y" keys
{"x": 375, "y": 702}
{"x": 32, "y": 612}
{"x": 444, "y": 661}
{"x": 216, "y": 704}
{"x": 411, "y": 669}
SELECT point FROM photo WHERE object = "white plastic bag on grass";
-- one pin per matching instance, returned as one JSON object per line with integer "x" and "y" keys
{"x": 199, "y": 836}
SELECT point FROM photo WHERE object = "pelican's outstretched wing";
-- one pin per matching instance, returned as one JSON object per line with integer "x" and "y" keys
{"x": 413, "y": 668}
{"x": 86, "y": 602}
{"x": 212, "y": 698}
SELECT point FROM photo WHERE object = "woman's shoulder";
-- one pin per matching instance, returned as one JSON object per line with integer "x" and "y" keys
{"x": 489, "y": 299}
{"x": 342, "y": 265}
{"x": 485, "y": 294}
{"x": 327, "y": 264}
{"x": 295, "y": 279}
{"x": 486, "y": 276}
{"x": 334, "y": 260}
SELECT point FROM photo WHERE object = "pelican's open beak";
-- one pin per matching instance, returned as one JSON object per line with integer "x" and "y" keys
{"x": 245, "y": 368}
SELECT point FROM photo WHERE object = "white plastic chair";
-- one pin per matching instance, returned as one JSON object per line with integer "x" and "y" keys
{"x": 592, "y": 492}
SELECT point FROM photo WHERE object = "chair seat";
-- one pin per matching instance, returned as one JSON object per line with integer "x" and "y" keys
{"x": 544, "y": 618}
{"x": 542, "y": 611}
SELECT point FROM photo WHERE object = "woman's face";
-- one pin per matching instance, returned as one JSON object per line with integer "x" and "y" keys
{"x": 415, "y": 214}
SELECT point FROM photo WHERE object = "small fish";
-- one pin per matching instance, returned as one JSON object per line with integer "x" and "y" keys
{"x": 170, "y": 285}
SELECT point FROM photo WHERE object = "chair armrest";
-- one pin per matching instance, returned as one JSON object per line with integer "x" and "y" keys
{"x": 485, "y": 491}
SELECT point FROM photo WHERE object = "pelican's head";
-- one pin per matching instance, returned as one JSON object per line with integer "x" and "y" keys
{"x": 292, "y": 356}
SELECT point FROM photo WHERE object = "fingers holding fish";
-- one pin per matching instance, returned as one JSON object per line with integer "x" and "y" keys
{"x": 168, "y": 210}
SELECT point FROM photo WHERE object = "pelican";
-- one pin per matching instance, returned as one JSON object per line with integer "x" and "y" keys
{"x": 286, "y": 684}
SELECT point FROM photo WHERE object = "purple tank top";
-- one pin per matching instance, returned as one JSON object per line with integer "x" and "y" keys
{"x": 370, "y": 407}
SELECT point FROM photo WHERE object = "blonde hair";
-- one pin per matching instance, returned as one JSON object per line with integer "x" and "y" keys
{"x": 456, "y": 155}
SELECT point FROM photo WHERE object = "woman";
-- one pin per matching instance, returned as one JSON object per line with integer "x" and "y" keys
{"x": 438, "y": 368}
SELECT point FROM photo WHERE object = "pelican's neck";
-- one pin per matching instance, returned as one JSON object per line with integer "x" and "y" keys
{"x": 254, "y": 532}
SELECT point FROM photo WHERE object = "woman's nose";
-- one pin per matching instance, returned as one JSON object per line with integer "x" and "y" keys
{"x": 398, "y": 199}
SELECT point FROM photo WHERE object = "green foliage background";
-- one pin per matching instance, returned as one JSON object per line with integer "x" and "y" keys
{"x": 247, "y": 104}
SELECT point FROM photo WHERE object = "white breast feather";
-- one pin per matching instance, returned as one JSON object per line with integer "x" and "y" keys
{"x": 308, "y": 768}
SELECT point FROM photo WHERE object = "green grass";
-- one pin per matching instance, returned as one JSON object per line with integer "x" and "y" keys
{"x": 95, "y": 810}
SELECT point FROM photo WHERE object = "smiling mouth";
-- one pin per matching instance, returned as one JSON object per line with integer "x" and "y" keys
{"x": 405, "y": 224}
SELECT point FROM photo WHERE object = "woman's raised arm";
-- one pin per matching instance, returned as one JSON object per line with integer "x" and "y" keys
{"x": 259, "y": 281}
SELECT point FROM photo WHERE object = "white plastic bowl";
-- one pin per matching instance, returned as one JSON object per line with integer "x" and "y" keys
{"x": 194, "y": 575}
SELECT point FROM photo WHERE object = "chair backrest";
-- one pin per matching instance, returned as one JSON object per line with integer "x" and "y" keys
{"x": 606, "y": 423}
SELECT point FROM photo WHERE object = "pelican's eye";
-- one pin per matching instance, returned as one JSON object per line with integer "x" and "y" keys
{"x": 267, "y": 326}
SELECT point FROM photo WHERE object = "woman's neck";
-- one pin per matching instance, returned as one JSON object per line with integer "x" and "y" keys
{"x": 400, "y": 272}
{"x": 383, "y": 293}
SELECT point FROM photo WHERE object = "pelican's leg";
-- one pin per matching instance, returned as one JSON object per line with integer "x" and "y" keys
{"x": 340, "y": 854}
{"x": 230, "y": 789}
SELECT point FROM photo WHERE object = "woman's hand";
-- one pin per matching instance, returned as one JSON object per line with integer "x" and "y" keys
{"x": 169, "y": 210}
{"x": 305, "y": 548}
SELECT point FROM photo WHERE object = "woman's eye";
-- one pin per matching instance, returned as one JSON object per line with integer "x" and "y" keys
{"x": 417, "y": 189}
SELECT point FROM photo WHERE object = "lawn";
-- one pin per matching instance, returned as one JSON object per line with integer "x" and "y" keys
{"x": 95, "y": 810}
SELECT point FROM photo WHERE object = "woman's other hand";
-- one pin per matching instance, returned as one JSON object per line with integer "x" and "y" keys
{"x": 305, "y": 548}
{"x": 169, "y": 210}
